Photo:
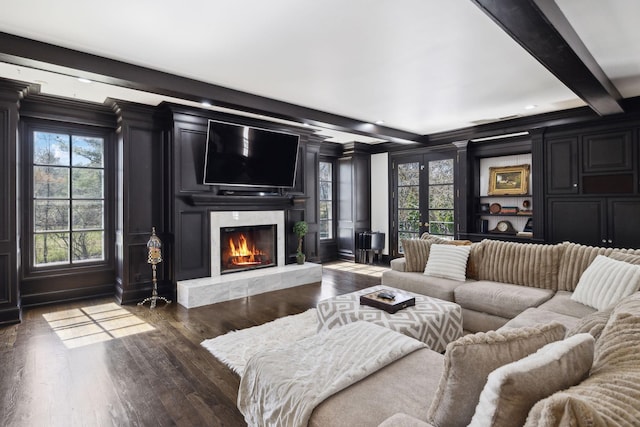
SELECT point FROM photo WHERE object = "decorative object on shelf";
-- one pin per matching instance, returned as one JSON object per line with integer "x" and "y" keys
{"x": 484, "y": 207}
{"x": 504, "y": 227}
{"x": 508, "y": 180}
{"x": 154, "y": 248}
{"x": 526, "y": 205}
{"x": 509, "y": 210}
{"x": 528, "y": 227}
{"x": 495, "y": 208}
{"x": 300, "y": 228}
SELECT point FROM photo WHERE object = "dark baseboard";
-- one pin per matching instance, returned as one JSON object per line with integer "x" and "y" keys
{"x": 10, "y": 316}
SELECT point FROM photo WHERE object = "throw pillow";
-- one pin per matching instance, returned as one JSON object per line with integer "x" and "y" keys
{"x": 513, "y": 389}
{"x": 606, "y": 281}
{"x": 469, "y": 360}
{"x": 416, "y": 254}
{"x": 448, "y": 261}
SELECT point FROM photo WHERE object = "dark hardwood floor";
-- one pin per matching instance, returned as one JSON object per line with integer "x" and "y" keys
{"x": 50, "y": 375}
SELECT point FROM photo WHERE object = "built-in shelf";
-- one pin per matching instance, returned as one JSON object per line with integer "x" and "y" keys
{"x": 505, "y": 195}
{"x": 476, "y": 237}
{"x": 504, "y": 214}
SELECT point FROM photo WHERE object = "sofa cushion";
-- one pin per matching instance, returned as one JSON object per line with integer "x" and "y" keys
{"x": 356, "y": 405}
{"x": 592, "y": 323}
{"x": 469, "y": 360}
{"x": 611, "y": 394}
{"x": 526, "y": 264}
{"x": 448, "y": 262}
{"x": 536, "y": 316}
{"x": 403, "y": 420}
{"x": 626, "y": 257}
{"x": 562, "y": 303}
{"x": 435, "y": 287}
{"x": 500, "y": 299}
{"x": 605, "y": 282}
{"x": 513, "y": 389}
{"x": 416, "y": 254}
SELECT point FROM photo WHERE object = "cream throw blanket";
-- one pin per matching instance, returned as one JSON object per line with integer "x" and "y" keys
{"x": 282, "y": 387}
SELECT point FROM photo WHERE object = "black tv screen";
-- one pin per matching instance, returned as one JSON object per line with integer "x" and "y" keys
{"x": 240, "y": 155}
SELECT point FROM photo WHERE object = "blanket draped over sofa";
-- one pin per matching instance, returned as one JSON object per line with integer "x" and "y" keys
{"x": 282, "y": 386}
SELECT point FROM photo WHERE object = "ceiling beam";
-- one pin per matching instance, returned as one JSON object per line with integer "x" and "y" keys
{"x": 43, "y": 56}
{"x": 541, "y": 28}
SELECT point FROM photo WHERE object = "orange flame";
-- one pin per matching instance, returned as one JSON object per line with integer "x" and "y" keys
{"x": 241, "y": 252}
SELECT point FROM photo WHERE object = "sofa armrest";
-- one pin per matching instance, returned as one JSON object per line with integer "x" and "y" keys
{"x": 399, "y": 264}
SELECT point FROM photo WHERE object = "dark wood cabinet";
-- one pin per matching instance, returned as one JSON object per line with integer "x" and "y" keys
{"x": 607, "y": 152}
{"x": 592, "y": 187}
{"x": 624, "y": 223}
{"x": 561, "y": 165}
{"x": 595, "y": 221}
{"x": 579, "y": 220}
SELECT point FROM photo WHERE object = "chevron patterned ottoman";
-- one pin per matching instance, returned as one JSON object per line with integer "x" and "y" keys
{"x": 433, "y": 321}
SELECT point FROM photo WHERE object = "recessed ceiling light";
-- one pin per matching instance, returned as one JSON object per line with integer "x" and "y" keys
{"x": 530, "y": 107}
{"x": 380, "y": 122}
{"x": 83, "y": 80}
{"x": 206, "y": 104}
{"x": 306, "y": 124}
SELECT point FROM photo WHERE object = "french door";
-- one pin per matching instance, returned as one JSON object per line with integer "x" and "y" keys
{"x": 423, "y": 192}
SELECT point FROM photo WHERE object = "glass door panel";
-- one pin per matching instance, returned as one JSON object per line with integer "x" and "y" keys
{"x": 408, "y": 202}
{"x": 440, "y": 189}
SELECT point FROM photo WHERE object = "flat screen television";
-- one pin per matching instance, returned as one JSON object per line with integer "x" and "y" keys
{"x": 247, "y": 156}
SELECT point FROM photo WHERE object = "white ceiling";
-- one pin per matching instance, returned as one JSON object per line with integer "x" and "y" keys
{"x": 421, "y": 66}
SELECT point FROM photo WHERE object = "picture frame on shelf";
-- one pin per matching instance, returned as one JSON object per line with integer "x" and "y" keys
{"x": 508, "y": 180}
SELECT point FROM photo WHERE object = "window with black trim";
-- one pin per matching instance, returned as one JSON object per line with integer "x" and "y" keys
{"x": 325, "y": 180}
{"x": 67, "y": 205}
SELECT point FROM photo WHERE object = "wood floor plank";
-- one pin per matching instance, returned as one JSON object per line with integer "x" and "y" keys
{"x": 162, "y": 377}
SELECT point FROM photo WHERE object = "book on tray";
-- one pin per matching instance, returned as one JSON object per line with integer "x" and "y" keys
{"x": 389, "y": 300}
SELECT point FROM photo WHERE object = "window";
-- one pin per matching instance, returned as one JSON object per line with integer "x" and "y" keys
{"x": 326, "y": 200}
{"x": 408, "y": 188}
{"x": 67, "y": 225}
{"x": 441, "y": 198}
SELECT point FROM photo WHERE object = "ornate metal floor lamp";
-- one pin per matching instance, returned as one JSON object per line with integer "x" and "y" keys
{"x": 154, "y": 246}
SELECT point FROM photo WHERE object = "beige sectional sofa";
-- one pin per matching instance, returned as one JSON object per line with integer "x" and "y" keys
{"x": 507, "y": 283}
{"x": 539, "y": 359}
{"x": 517, "y": 301}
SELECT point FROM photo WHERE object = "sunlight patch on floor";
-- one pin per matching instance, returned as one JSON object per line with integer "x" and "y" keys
{"x": 98, "y": 323}
{"x": 352, "y": 267}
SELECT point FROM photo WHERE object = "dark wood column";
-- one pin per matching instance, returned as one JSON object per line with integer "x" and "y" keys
{"x": 10, "y": 94}
{"x": 354, "y": 198}
{"x": 141, "y": 181}
{"x": 462, "y": 187}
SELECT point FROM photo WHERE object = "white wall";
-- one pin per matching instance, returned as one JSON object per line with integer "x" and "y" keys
{"x": 380, "y": 196}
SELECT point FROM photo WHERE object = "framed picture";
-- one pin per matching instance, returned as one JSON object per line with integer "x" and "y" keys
{"x": 508, "y": 180}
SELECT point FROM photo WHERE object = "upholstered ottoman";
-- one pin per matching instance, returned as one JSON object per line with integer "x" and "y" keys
{"x": 433, "y": 321}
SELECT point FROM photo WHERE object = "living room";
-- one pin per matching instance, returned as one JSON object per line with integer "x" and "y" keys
{"x": 580, "y": 147}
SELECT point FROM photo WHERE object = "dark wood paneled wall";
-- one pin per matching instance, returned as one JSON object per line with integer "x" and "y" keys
{"x": 190, "y": 203}
{"x": 10, "y": 94}
{"x": 141, "y": 180}
{"x": 354, "y": 198}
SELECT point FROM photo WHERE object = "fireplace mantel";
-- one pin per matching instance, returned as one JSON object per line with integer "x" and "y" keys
{"x": 230, "y": 201}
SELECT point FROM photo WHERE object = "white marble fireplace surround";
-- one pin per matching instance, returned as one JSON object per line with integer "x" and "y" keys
{"x": 219, "y": 288}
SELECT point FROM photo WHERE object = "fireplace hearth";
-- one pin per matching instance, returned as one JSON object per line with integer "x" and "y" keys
{"x": 243, "y": 282}
{"x": 247, "y": 248}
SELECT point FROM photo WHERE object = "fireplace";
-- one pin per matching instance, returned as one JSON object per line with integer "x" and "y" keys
{"x": 225, "y": 287}
{"x": 247, "y": 247}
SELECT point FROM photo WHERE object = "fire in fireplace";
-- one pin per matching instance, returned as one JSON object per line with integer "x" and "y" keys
{"x": 247, "y": 248}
